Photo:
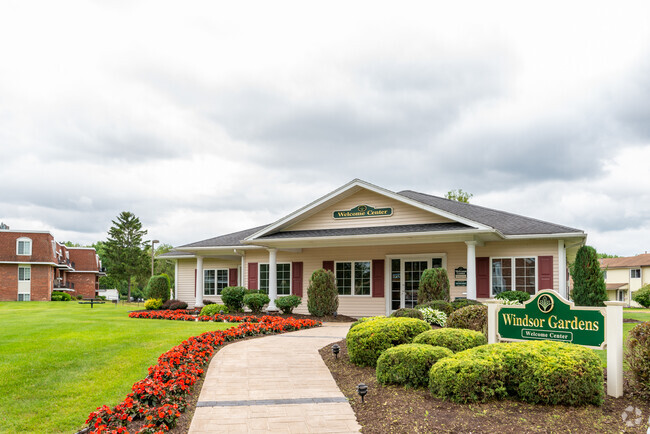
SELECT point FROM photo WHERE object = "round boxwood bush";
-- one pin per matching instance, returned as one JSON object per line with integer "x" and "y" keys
{"x": 158, "y": 288}
{"x": 454, "y": 339}
{"x": 409, "y": 364}
{"x": 61, "y": 296}
{"x": 407, "y": 313}
{"x": 637, "y": 355}
{"x": 364, "y": 319}
{"x": 440, "y": 305}
{"x": 233, "y": 297}
{"x": 538, "y": 372}
{"x": 213, "y": 309}
{"x": 367, "y": 340}
{"x": 288, "y": 303}
{"x": 177, "y": 305}
{"x": 460, "y": 303}
{"x": 469, "y": 317}
{"x": 519, "y": 296}
{"x": 255, "y": 302}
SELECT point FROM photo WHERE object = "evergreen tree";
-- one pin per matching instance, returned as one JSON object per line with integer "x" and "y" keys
{"x": 589, "y": 287}
{"x": 123, "y": 250}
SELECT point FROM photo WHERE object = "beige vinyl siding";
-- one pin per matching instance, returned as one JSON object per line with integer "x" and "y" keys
{"x": 186, "y": 284}
{"x": 403, "y": 214}
{"x": 618, "y": 275}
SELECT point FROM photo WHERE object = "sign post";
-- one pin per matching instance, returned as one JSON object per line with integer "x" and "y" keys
{"x": 548, "y": 316}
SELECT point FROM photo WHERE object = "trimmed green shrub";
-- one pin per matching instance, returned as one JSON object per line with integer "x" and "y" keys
{"x": 407, "y": 313}
{"x": 434, "y": 317}
{"x": 367, "y": 340}
{"x": 462, "y": 302}
{"x": 208, "y": 302}
{"x": 177, "y": 305}
{"x": 60, "y": 296}
{"x": 469, "y": 317}
{"x": 213, "y": 309}
{"x": 637, "y": 355}
{"x": 434, "y": 285}
{"x": 287, "y": 303}
{"x": 408, "y": 364}
{"x": 440, "y": 305}
{"x": 539, "y": 372}
{"x": 589, "y": 287}
{"x": 153, "y": 304}
{"x": 642, "y": 296}
{"x": 79, "y": 297}
{"x": 255, "y": 302}
{"x": 158, "y": 288}
{"x": 233, "y": 297}
{"x": 364, "y": 319}
{"x": 455, "y": 339}
{"x": 519, "y": 296}
{"x": 323, "y": 297}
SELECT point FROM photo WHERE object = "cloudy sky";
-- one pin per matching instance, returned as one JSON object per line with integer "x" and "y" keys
{"x": 205, "y": 118}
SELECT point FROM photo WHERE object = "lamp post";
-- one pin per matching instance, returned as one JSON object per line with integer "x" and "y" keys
{"x": 152, "y": 254}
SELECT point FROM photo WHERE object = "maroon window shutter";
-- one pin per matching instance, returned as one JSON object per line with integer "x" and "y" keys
{"x": 252, "y": 275}
{"x": 377, "y": 277}
{"x": 328, "y": 265}
{"x": 232, "y": 277}
{"x": 296, "y": 278}
{"x": 483, "y": 277}
{"x": 545, "y": 272}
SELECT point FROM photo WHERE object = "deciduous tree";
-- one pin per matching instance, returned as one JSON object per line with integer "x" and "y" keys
{"x": 459, "y": 195}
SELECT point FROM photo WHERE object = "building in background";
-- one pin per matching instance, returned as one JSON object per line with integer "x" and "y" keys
{"x": 33, "y": 264}
{"x": 625, "y": 275}
{"x": 378, "y": 243}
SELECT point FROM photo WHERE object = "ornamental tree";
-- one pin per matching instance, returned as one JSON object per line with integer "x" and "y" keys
{"x": 434, "y": 285}
{"x": 588, "y": 279}
{"x": 323, "y": 297}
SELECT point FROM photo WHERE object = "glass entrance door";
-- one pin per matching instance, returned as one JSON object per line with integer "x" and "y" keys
{"x": 412, "y": 272}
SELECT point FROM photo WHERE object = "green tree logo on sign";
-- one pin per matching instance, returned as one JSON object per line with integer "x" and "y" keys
{"x": 545, "y": 303}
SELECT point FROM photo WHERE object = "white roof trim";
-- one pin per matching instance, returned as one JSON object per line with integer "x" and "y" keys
{"x": 554, "y": 236}
{"x": 362, "y": 184}
{"x": 28, "y": 263}
{"x": 229, "y": 248}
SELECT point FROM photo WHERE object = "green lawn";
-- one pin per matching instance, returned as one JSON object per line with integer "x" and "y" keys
{"x": 61, "y": 360}
{"x": 638, "y": 314}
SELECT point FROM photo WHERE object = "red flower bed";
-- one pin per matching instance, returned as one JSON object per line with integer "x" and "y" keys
{"x": 162, "y": 395}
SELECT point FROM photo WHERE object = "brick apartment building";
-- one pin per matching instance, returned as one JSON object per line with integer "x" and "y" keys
{"x": 33, "y": 264}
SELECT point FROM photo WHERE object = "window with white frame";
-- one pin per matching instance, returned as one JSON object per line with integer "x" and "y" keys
{"x": 24, "y": 273}
{"x": 353, "y": 278}
{"x": 635, "y": 273}
{"x": 514, "y": 274}
{"x": 24, "y": 246}
{"x": 283, "y": 278}
{"x": 214, "y": 281}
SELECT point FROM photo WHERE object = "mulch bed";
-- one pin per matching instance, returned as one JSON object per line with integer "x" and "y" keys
{"x": 396, "y": 409}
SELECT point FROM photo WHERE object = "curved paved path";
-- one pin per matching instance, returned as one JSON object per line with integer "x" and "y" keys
{"x": 274, "y": 384}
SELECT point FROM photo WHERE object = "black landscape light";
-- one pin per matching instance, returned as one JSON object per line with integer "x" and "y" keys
{"x": 362, "y": 389}
{"x": 335, "y": 314}
{"x": 335, "y": 350}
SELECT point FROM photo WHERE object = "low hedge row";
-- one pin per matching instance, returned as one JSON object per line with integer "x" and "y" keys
{"x": 162, "y": 395}
{"x": 454, "y": 339}
{"x": 472, "y": 317}
{"x": 408, "y": 364}
{"x": 535, "y": 371}
{"x": 368, "y": 339}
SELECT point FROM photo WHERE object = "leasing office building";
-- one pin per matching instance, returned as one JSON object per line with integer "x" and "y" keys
{"x": 378, "y": 243}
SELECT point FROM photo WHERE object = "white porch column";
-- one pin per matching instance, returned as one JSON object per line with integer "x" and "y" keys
{"x": 614, "y": 337}
{"x": 199, "y": 282}
{"x": 273, "y": 279}
{"x": 561, "y": 272}
{"x": 471, "y": 269}
{"x": 176, "y": 279}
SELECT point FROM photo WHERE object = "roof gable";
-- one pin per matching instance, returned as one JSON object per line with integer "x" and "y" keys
{"x": 642, "y": 260}
{"x": 351, "y": 193}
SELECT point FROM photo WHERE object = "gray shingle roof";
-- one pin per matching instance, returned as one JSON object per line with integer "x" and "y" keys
{"x": 505, "y": 222}
{"x": 372, "y": 230}
{"x": 233, "y": 239}
{"x": 175, "y": 253}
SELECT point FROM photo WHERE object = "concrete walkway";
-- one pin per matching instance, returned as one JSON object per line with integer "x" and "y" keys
{"x": 274, "y": 384}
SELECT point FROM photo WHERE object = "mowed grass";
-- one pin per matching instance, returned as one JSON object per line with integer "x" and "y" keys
{"x": 61, "y": 360}
{"x": 637, "y": 314}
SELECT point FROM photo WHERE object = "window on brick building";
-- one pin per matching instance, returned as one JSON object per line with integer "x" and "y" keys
{"x": 24, "y": 246}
